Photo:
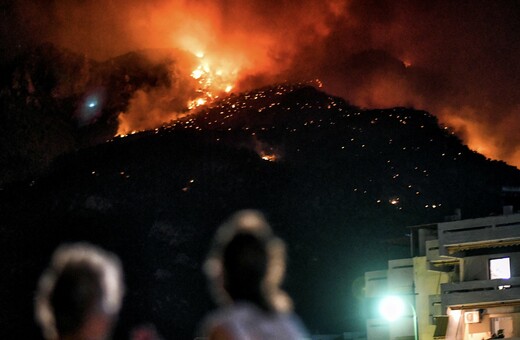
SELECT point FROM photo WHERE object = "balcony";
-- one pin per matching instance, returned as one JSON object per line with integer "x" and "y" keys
{"x": 436, "y": 261}
{"x": 481, "y": 294}
{"x": 488, "y": 232}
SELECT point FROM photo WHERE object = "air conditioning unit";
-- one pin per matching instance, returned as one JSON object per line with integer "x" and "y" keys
{"x": 472, "y": 316}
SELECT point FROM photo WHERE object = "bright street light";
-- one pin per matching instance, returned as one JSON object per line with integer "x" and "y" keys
{"x": 393, "y": 307}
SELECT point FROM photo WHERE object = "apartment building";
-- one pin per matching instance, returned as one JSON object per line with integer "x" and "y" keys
{"x": 462, "y": 282}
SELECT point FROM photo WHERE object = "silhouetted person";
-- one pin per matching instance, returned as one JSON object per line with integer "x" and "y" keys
{"x": 79, "y": 295}
{"x": 245, "y": 269}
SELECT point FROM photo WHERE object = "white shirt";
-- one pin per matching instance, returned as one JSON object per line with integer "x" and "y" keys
{"x": 245, "y": 321}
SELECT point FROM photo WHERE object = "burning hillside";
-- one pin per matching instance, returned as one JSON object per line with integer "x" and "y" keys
{"x": 150, "y": 108}
{"x": 56, "y": 101}
{"x": 375, "y": 54}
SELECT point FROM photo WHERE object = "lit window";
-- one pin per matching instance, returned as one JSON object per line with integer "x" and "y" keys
{"x": 500, "y": 268}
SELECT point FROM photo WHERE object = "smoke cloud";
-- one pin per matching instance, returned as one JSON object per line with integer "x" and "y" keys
{"x": 458, "y": 60}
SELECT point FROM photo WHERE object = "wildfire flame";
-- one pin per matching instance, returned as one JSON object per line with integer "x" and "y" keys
{"x": 214, "y": 79}
{"x": 269, "y": 157}
{"x": 214, "y": 76}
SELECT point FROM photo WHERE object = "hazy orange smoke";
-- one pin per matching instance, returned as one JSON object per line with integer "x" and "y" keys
{"x": 458, "y": 60}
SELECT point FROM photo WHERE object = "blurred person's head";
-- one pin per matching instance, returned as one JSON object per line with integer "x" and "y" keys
{"x": 80, "y": 294}
{"x": 247, "y": 263}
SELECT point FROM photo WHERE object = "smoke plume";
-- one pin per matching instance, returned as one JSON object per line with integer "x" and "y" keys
{"x": 458, "y": 60}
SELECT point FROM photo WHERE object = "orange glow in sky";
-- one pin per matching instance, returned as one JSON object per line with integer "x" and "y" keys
{"x": 400, "y": 53}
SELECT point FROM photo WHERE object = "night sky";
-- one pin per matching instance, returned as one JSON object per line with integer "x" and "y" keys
{"x": 456, "y": 59}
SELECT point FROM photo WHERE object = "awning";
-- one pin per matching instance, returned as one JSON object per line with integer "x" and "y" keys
{"x": 453, "y": 248}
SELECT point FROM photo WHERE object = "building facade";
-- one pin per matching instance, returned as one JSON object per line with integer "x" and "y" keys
{"x": 462, "y": 282}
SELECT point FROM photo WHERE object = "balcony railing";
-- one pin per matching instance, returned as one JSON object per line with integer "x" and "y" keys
{"x": 483, "y": 293}
{"x": 479, "y": 233}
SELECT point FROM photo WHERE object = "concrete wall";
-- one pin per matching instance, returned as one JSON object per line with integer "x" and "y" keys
{"x": 375, "y": 283}
{"x": 400, "y": 276}
{"x": 426, "y": 283}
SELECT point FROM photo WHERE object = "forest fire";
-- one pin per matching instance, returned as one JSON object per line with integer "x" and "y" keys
{"x": 409, "y": 58}
{"x": 193, "y": 83}
{"x": 213, "y": 81}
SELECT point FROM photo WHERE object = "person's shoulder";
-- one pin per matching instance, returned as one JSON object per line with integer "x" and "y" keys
{"x": 293, "y": 322}
{"x": 217, "y": 319}
{"x": 243, "y": 307}
{"x": 234, "y": 313}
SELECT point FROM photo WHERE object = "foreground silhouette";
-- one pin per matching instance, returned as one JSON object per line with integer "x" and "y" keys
{"x": 245, "y": 269}
{"x": 79, "y": 295}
